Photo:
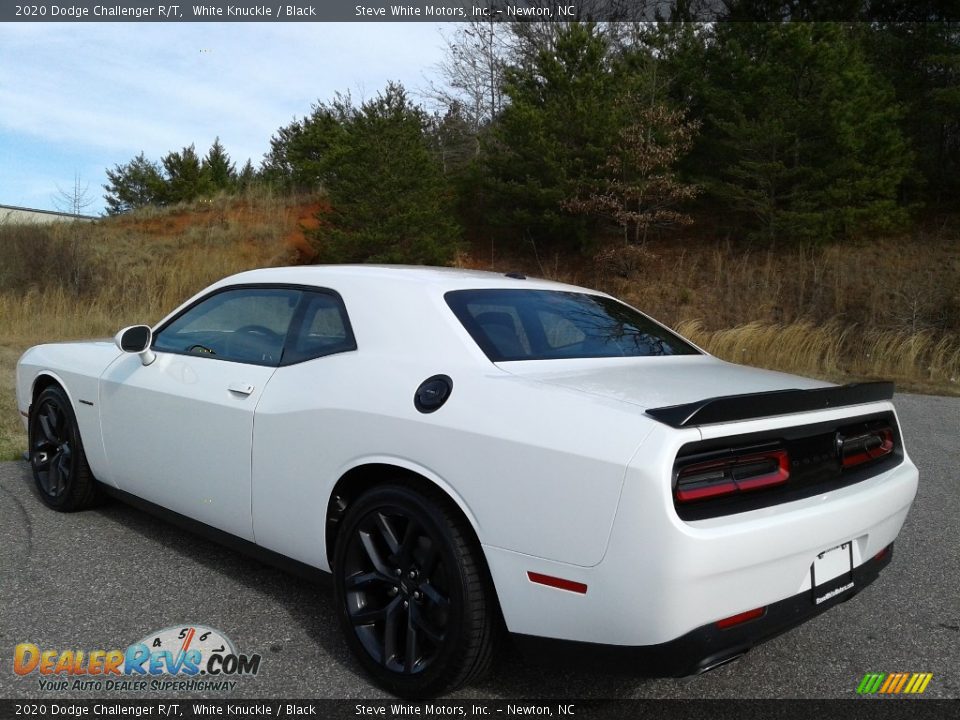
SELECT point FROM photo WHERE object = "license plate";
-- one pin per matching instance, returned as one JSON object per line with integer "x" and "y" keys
{"x": 831, "y": 573}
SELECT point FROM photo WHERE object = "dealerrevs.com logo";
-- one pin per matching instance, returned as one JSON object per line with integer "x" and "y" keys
{"x": 902, "y": 683}
{"x": 179, "y": 658}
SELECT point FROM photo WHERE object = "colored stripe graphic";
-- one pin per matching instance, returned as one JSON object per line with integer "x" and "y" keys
{"x": 870, "y": 683}
{"x": 894, "y": 683}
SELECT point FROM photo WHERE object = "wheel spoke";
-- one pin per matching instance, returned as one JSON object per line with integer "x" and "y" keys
{"x": 410, "y": 652}
{"x": 56, "y": 418}
{"x": 429, "y": 562}
{"x": 391, "y": 627}
{"x": 373, "y": 553}
{"x": 362, "y": 581}
{"x": 47, "y": 428}
{"x": 53, "y": 474}
{"x": 368, "y": 616}
{"x": 387, "y": 532}
{"x": 427, "y": 628}
{"x": 409, "y": 538}
{"x": 63, "y": 468}
{"x": 433, "y": 595}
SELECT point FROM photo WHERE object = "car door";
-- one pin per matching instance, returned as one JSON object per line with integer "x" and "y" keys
{"x": 178, "y": 432}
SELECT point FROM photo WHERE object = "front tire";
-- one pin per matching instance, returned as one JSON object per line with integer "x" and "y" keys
{"x": 59, "y": 464}
{"x": 412, "y": 592}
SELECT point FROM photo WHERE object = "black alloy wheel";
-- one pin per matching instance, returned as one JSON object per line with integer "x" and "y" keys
{"x": 412, "y": 592}
{"x": 59, "y": 465}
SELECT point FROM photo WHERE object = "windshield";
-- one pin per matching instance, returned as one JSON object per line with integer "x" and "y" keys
{"x": 550, "y": 324}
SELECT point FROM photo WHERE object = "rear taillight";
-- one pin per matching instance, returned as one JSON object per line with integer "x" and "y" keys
{"x": 727, "y": 476}
{"x": 864, "y": 447}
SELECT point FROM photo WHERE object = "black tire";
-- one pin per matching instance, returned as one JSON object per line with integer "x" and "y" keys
{"x": 59, "y": 464}
{"x": 412, "y": 592}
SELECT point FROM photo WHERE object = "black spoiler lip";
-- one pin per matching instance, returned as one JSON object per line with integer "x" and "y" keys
{"x": 730, "y": 408}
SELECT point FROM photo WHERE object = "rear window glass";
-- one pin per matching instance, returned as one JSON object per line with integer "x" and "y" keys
{"x": 546, "y": 324}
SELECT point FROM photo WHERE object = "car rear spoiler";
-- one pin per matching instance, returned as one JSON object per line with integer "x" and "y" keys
{"x": 730, "y": 408}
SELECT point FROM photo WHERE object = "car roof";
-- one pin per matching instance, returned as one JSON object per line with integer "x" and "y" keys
{"x": 441, "y": 279}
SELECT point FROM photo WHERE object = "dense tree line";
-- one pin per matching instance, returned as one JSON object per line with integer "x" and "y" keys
{"x": 557, "y": 135}
{"x": 180, "y": 176}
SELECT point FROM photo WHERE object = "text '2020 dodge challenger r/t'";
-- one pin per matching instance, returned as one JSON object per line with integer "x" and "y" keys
{"x": 467, "y": 451}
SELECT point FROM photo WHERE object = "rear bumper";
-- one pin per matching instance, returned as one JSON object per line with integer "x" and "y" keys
{"x": 705, "y": 647}
{"x": 663, "y": 578}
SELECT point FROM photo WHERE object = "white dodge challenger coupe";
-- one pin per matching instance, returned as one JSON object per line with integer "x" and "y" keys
{"x": 467, "y": 451}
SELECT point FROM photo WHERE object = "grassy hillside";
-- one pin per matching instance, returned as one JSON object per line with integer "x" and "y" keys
{"x": 885, "y": 309}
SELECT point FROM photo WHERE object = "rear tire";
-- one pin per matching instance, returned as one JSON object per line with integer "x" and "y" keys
{"x": 59, "y": 464}
{"x": 412, "y": 592}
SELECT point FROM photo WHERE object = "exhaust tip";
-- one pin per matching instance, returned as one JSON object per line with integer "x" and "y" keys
{"x": 714, "y": 664}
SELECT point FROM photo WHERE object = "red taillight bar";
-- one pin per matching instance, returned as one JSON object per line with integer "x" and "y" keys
{"x": 863, "y": 448}
{"x": 742, "y": 473}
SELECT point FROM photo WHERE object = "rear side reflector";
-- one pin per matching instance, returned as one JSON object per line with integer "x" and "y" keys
{"x": 727, "y": 476}
{"x": 859, "y": 449}
{"x": 556, "y": 582}
{"x": 741, "y": 618}
{"x": 882, "y": 554}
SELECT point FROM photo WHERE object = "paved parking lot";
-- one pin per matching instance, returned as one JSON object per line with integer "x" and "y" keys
{"x": 105, "y": 578}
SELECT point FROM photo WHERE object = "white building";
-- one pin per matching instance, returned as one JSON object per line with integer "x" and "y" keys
{"x": 11, "y": 214}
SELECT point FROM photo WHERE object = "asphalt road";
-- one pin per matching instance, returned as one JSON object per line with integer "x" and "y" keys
{"x": 103, "y": 579}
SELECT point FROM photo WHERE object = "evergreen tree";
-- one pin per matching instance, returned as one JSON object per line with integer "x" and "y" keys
{"x": 388, "y": 196}
{"x": 552, "y": 138}
{"x": 134, "y": 185}
{"x": 922, "y": 61}
{"x": 218, "y": 171}
{"x": 297, "y": 159}
{"x": 186, "y": 180}
{"x": 247, "y": 176}
{"x": 801, "y": 135}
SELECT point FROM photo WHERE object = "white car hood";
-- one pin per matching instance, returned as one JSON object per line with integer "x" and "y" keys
{"x": 651, "y": 382}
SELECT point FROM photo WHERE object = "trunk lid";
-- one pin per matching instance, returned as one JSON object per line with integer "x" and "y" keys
{"x": 652, "y": 382}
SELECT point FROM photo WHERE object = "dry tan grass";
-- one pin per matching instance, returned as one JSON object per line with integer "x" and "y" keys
{"x": 917, "y": 361}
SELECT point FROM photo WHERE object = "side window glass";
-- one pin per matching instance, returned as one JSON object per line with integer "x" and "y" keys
{"x": 324, "y": 329}
{"x": 243, "y": 325}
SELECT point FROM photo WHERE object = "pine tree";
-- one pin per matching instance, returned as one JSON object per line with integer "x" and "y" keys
{"x": 219, "y": 172}
{"x": 185, "y": 178}
{"x": 134, "y": 185}
{"x": 297, "y": 159}
{"x": 922, "y": 61}
{"x": 389, "y": 200}
{"x": 801, "y": 135}
{"x": 552, "y": 138}
{"x": 247, "y": 176}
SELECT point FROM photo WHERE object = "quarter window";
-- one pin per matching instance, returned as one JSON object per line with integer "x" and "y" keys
{"x": 323, "y": 329}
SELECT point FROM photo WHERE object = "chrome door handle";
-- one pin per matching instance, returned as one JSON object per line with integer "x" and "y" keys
{"x": 240, "y": 388}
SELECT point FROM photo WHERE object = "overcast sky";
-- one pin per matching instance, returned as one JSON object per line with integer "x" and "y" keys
{"x": 76, "y": 99}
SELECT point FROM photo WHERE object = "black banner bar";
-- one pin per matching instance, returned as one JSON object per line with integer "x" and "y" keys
{"x": 865, "y": 708}
{"x": 479, "y": 10}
